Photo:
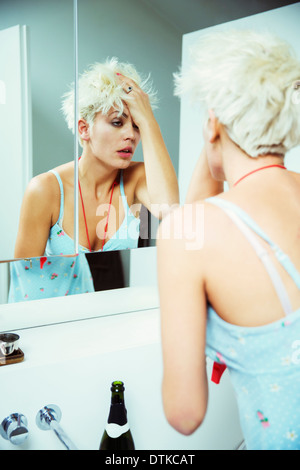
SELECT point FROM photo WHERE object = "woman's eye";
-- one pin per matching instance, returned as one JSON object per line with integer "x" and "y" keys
{"x": 117, "y": 123}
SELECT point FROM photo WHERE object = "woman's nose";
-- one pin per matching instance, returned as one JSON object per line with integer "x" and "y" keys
{"x": 129, "y": 132}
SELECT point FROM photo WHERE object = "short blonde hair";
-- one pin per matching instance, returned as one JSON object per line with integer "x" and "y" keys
{"x": 99, "y": 90}
{"x": 247, "y": 78}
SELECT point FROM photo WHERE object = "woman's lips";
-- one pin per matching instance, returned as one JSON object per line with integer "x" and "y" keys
{"x": 126, "y": 152}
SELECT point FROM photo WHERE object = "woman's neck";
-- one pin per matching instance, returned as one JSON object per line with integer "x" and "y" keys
{"x": 95, "y": 175}
{"x": 239, "y": 164}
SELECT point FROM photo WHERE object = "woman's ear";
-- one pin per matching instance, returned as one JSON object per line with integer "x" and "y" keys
{"x": 83, "y": 129}
{"x": 213, "y": 130}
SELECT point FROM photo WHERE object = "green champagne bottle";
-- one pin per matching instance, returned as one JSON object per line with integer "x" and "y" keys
{"x": 117, "y": 435}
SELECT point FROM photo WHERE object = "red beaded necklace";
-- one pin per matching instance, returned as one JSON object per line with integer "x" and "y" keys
{"x": 258, "y": 169}
{"x": 84, "y": 216}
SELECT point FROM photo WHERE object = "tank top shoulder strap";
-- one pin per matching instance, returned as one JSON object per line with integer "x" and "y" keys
{"x": 61, "y": 187}
{"x": 282, "y": 257}
{"x": 247, "y": 226}
{"x": 224, "y": 204}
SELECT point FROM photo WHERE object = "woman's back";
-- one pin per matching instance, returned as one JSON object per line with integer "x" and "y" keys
{"x": 235, "y": 277}
{"x": 259, "y": 341}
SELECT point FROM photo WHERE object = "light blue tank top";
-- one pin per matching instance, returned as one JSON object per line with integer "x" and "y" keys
{"x": 126, "y": 237}
{"x": 55, "y": 276}
{"x": 264, "y": 361}
{"x": 45, "y": 277}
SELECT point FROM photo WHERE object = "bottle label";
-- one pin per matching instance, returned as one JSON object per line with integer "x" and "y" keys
{"x": 115, "y": 430}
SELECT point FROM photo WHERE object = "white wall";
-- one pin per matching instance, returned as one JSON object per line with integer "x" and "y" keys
{"x": 15, "y": 132}
{"x": 281, "y": 21}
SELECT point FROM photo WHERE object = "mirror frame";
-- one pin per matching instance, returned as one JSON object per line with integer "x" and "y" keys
{"x": 76, "y": 149}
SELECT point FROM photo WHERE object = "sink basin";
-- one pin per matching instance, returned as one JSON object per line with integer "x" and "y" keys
{"x": 73, "y": 364}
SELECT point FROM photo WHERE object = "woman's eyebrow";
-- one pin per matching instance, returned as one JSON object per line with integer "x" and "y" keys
{"x": 116, "y": 111}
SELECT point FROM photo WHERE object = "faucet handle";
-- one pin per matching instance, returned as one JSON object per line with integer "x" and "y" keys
{"x": 46, "y": 415}
{"x": 49, "y": 418}
{"x": 14, "y": 428}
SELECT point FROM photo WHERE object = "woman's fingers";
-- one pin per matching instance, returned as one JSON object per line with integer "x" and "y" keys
{"x": 127, "y": 84}
{"x": 137, "y": 102}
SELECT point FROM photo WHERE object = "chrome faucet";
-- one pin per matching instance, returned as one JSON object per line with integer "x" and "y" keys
{"x": 49, "y": 418}
{"x": 14, "y": 428}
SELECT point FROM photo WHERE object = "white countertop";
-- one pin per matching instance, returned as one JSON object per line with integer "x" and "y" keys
{"x": 86, "y": 338}
{"x": 29, "y": 314}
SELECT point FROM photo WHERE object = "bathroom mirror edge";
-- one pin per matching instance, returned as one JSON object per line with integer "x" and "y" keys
{"x": 76, "y": 152}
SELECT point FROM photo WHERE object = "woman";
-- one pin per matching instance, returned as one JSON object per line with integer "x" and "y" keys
{"x": 235, "y": 297}
{"x": 114, "y": 114}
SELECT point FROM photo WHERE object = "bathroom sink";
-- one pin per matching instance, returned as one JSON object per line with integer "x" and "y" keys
{"x": 72, "y": 366}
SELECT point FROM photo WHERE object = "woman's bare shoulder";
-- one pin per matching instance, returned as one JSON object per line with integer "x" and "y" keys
{"x": 66, "y": 172}
{"x": 40, "y": 199}
{"x": 43, "y": 183}
{"x": 47, "y": 184}
{"x": 188, "y": 225}
{"x": 296, "y": 175}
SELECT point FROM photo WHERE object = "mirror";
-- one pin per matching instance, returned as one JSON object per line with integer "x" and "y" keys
{"x": 147, "y": 33}
{"x": 91, "y": 23}
{"x": 35, "y": 67}
{"x": 46, "y": 62}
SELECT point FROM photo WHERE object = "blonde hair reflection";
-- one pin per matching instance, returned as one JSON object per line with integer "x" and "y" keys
{"x": 99, "y": 90}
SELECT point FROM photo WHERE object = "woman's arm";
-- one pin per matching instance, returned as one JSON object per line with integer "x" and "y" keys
{"x": 183, "y": 324}
{"x": 36, "y": 217}
{"x": 202, "y": 184}
{"x": 157, "y": 186}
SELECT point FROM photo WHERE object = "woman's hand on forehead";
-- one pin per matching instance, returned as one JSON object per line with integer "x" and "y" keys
{"x": 136, "y": 100}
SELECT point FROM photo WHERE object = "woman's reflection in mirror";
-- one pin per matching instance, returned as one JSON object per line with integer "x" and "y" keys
{"x": 115, "y": 112}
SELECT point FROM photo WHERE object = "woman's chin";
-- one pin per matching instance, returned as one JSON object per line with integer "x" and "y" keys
{"x": 124, "y": 162}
